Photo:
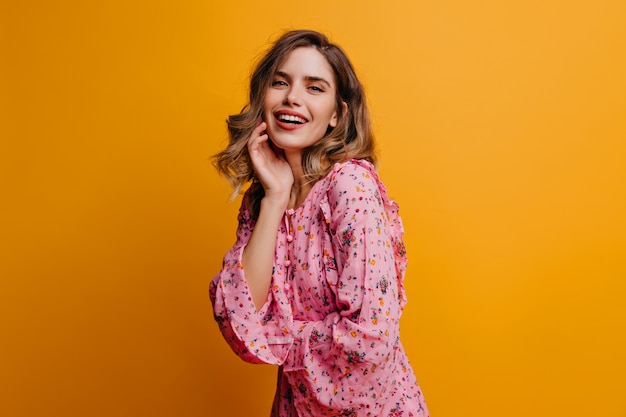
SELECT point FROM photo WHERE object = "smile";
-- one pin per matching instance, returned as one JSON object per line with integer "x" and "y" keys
{"x": 287, "y": 118}
{"x": 290, "y": 120}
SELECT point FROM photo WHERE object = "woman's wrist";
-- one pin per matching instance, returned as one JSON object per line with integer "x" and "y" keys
{"x": 276, "y": 202}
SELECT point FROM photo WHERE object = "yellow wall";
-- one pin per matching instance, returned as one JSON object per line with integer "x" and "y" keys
{"x": 502, "y": 129}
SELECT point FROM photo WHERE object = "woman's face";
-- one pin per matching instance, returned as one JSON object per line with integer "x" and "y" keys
{"x": 300, "y": 105}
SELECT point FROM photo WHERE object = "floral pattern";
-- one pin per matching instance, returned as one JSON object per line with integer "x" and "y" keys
{"x": 331, "y": 319}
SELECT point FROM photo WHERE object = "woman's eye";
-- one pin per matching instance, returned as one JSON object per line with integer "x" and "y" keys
{"x": 316, "y": 89}
{"x": 278, "y": 83}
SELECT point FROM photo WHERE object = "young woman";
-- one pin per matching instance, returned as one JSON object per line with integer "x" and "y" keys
{"x": 314, "y": 281}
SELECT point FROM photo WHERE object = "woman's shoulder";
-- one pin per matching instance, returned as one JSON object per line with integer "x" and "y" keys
{"x": 245, "y": 208}
{"x": 347, "y": 175}
{"x": 354, "y": 165}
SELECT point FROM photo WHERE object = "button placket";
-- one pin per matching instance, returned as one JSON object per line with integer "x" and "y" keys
{"x": 289, "y": 247}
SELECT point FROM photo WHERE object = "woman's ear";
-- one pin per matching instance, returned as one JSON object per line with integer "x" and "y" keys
{"x": 335, "y": 118}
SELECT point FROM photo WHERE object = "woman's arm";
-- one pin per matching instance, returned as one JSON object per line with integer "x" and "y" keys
{"x": 258, "y": 255}
{"x": 253, "y": 322}
{"x": 276, "y": 177}
{"x": 346, "y": 359}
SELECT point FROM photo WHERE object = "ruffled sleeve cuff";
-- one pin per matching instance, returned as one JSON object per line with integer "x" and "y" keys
{"x": 256, "y": 336}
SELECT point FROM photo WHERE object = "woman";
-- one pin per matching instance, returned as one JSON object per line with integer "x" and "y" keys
{"x": 314, "y": 281}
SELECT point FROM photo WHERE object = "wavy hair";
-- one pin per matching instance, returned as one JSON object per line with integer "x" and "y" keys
{"x": 352, "y": 137}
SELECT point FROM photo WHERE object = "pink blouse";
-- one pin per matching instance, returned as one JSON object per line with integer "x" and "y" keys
{"x": 331, "y": 319}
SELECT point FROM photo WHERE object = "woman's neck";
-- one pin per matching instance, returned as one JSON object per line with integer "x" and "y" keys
{"x": 301, "y": 183}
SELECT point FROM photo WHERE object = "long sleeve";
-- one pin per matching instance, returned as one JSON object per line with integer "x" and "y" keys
{"x": 256, "y": 337}
{"x": 347, "y": 360}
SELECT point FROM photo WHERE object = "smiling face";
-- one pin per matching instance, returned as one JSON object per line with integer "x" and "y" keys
{"x": 300, "y": 104}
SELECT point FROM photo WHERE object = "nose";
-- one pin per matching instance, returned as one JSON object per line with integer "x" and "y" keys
{"x": 292, "y": 96}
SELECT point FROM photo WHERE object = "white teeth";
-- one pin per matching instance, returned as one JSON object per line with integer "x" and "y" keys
{"x": 290, "y": 118}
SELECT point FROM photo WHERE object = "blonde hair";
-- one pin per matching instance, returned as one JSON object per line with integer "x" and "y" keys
{"x": 351, "y": 138}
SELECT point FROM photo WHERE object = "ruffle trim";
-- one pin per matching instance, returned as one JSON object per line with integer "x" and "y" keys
{"x": 393, "y": 218}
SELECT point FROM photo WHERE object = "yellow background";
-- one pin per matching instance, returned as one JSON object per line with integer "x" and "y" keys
{"x": 502, "y": 131}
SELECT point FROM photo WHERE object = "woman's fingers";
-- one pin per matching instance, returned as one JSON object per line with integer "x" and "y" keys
{"x": 258, "y": 137}
{"x": 269, "y": 162}
{"x": 258, "y": 131}
{"x": 261, "y": 154}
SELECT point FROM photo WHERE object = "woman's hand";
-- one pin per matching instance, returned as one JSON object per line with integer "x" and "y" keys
{"x": 270, "y": 165}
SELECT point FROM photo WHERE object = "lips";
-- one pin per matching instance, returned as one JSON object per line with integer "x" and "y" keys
{"x": 290, "y": 120}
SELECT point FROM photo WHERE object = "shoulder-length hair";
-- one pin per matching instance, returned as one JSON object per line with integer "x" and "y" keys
{"x": 351, "y": 138}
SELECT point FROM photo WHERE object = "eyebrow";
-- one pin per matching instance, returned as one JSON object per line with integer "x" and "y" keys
{"x": 308, "y": 78}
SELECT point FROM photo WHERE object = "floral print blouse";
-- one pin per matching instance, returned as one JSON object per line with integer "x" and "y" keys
{"x": 331, "y": 319}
